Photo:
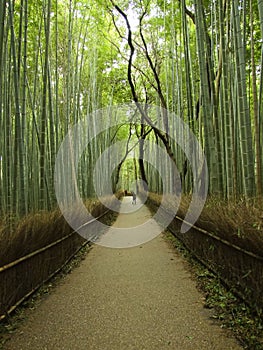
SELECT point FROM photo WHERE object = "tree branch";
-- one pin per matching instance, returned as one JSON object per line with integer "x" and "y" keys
{"x": 163, "y": 136}
{"x": 156, "y": 77}
{"x": 189, "y": 13}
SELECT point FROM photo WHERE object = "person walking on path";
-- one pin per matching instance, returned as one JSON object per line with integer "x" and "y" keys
{"x": 133, "y": 198}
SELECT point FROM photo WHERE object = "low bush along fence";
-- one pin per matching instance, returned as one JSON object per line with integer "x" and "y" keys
{"x": 37, "y": 249}
{"x": 231, "y": 251}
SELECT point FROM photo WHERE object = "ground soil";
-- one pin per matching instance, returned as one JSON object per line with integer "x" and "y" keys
{"x": 139, "y": 298}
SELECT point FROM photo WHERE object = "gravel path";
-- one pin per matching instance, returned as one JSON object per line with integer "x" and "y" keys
{"x": 140, "y": 298}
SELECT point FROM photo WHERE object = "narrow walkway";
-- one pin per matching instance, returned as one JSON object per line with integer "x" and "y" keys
{"x": 140, "y": 298}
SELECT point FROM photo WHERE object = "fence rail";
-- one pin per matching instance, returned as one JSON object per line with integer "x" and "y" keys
{"x": 22, "y": 277}
{"x": 223, "y": 241}
{"x": 240, "y": 269}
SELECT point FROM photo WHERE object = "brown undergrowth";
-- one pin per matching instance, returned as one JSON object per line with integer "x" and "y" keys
{"x": 37, "y": 230}
{"x": 231, "y": 312}
{"x": 239, "y": 222}
{"x": 230, "y": 280}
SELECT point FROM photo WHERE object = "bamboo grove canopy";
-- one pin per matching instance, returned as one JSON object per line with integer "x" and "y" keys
{"x": 62, "y": 60}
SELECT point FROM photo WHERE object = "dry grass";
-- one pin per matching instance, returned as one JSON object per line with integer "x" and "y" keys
{"x": 32, "y": 232}
{"x": 37, "y": 230}
{"x": 239, "y": 222}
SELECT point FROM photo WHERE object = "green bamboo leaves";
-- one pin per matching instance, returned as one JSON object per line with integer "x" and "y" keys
{"x": 60, "y": 62}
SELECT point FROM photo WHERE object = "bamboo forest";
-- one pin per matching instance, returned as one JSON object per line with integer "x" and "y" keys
{"x": 169, "y": 94}
{"x": 62, "y": 60}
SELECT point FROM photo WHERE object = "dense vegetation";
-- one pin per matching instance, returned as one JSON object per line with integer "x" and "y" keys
{"x": 61, "y": 61}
